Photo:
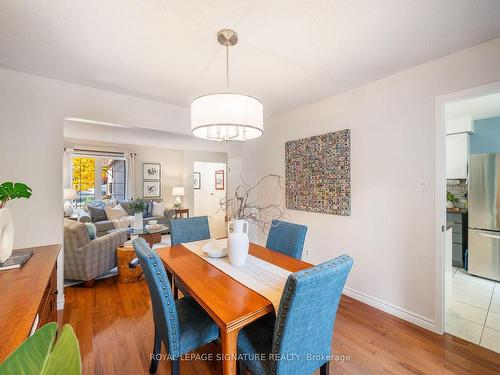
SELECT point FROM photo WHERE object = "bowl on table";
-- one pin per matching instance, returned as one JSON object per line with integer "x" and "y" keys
{"x": 215, "y": 248}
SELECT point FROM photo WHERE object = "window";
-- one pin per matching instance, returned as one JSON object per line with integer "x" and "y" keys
{"x": 91, "y": 172}
{"x": 84, "y": 180}
{"x": 113, "y": 179}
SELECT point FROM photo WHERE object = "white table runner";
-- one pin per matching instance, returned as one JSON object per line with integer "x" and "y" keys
{"x": 262, "y": 277}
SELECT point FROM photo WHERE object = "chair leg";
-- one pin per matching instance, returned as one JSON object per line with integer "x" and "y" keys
{"x": 325, "y": 369}
{"x": 175, "y": 368}
{"x": 156, "y": 352}
{"x": 176, "y": 293}
{"x": 176, "y": 290}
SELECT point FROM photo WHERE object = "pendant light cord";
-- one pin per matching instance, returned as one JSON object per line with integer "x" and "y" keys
{"x": 227, "y": 66}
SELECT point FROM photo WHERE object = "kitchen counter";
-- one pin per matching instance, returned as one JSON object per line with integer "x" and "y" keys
{"x": 457, "y": 210}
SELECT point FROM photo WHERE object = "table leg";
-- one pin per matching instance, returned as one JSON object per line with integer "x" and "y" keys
{"x": 229, "y": 351}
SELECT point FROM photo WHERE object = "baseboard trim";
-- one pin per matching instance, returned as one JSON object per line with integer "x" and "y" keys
{"x": 389, "y": 308}
{"x": 60, "y": 301}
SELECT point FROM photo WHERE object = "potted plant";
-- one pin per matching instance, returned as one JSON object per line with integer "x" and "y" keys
{"x": 450, "y": 200}
{"x": 9, "y": 191}
{"x": 42, "y": 354}
{"x": 138, "y": 206}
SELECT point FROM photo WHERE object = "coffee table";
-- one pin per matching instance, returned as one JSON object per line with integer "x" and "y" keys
{"x": 151, "y": 236}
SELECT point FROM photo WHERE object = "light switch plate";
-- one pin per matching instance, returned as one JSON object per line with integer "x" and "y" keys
{"x": 421, "y": 186}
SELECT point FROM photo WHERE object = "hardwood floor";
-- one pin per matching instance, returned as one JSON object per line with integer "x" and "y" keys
{"x": 114, "y": 326}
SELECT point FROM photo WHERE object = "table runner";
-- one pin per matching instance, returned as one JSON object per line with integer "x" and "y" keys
{"x": 262, "y": 277}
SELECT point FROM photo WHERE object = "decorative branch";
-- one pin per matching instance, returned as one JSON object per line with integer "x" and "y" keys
{"x": 240, "y": 205}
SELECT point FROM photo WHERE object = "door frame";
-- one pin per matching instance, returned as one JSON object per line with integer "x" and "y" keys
{"x": 440, "y": 192}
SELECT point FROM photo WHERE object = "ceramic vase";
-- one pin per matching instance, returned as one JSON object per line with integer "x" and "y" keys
{"x": 138, "y": 221}
{"x": 238, "y": 242}
{"x": 6, "y": 234}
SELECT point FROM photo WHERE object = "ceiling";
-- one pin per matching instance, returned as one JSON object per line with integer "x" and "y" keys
{"x": 83, "y": 130}
{"x": 291, "y": 52}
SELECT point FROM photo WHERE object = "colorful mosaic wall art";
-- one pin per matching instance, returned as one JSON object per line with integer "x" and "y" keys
{"x": 318, "y": 173}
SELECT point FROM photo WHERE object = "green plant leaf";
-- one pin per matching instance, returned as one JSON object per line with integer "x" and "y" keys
{"x": 10, "y": 190}
{"x": 38, "y": 354}
{"x": 65, "y": 358}
{"x": 30, "y": 357}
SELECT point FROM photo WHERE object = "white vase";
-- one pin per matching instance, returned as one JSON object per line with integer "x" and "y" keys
{"x": 138, "y": 221}
{"x": 238, "y": 242}
{"x": 6, "y": 234}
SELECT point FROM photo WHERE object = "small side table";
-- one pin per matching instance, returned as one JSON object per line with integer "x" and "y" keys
{"x": 124, "y": 256}
{"x": 180, "y": 211}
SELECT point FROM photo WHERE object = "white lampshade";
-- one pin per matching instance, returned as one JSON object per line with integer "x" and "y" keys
{"x": 70, "y": 193}
{"x": 178, "y": 191}
{"x": 227, "y": 117}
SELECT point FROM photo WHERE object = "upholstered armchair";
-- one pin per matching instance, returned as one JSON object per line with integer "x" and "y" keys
{"x": 86, "y": 259}
{"x": 299, "y": 339}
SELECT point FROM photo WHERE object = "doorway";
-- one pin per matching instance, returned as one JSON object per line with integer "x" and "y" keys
{"x": 209, "y": 189}
{"x": 468, "y": 132}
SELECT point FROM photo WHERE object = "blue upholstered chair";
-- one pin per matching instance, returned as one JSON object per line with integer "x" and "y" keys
{"x": 189, "y": 229}
{"x": 298, "y": 340}
{"x": 182, "y": 325}
{"x": 287, "y": 238}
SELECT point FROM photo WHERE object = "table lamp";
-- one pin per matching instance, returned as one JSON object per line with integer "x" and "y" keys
{"x": 178, "y": 192}
{"x": 69, "y": 195}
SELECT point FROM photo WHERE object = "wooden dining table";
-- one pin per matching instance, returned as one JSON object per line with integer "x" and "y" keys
{"x": 231, "y": 304}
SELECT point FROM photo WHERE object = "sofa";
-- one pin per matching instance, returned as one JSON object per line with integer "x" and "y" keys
{"x": 103, "y": 225}
{"x": 86, "y": 259}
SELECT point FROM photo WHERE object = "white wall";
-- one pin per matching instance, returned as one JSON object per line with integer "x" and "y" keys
{"x": 391, "y": 231}
{"x": 32, "y": 110}
{"x": 188, "y": 159}
{"x": 207, "y": 199}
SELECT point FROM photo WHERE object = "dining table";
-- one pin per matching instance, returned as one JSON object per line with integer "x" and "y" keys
{"x": 231, "y": 304}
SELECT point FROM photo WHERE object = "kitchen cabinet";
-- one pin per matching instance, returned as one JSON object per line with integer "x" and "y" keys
{"x": 459, "y": 236}
{"x": 457, "y": 155}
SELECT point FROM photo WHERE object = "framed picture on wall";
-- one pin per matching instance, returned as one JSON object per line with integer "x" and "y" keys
{"x": 151, "y": 189}
{"x": 219, "y": 180}
{"x": 151, "y": 171}
{"x": 197, "y": 180}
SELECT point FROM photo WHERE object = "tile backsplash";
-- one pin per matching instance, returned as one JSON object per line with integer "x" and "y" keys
{"x": 459, "y": 189}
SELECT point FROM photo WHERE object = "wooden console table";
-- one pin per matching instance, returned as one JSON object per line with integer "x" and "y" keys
{"x": 181, "y": 211}
{"x": 28, "y": 294}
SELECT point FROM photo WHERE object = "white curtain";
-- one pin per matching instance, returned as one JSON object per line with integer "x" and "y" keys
{"x": 130, "y": 175}
{"x": 67, "y": 168}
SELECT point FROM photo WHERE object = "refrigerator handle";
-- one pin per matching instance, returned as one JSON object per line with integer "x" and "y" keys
{"x": 488, "y": 235}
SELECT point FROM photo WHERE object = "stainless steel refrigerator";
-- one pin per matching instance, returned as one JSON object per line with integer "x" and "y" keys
{"x": 484, "y": 215}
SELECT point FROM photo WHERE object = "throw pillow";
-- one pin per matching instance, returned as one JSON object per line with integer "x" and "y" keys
{"x": 96, "y": 214}
{"x": 123, "y": 222}
{"x": 126, "y": 207}
{"x": 115, "y": 212}
{"x": 92, "y": 230}
{"x": 159, "y": 208}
